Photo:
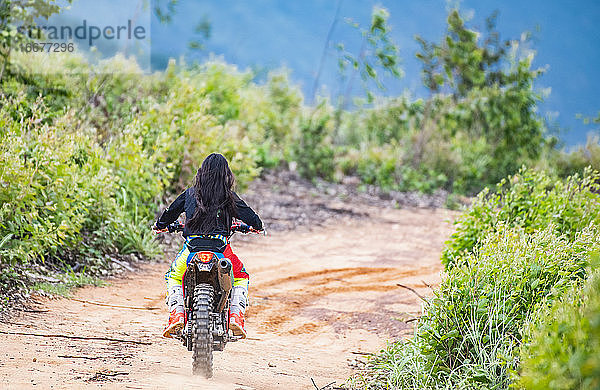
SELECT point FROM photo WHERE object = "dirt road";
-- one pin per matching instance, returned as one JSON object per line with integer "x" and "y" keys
{"x": 319, "y": 299}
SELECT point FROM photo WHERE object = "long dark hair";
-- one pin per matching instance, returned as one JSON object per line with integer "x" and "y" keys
{"x": 213, "y": 188}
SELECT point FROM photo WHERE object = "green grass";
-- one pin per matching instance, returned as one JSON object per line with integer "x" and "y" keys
{"x": 70, "y": 281}
{"x": 562, "y": 348}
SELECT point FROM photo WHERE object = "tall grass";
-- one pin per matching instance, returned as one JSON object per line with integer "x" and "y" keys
{"x": 562, "y": 348}
{"x": 472, "y": 329}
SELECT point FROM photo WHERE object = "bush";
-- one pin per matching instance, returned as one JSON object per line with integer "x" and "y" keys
{"x": 568, "y": 163}
{"x": 59, "y": 185}
{"x": 563, "y": 348}
{"x": 85, "y": 180}
{"x": 105, "y": 98}
{"x": 459, "y": 144}
{"x": 515, "y": 253}
{"x": 529, "y": 199}
{"x": 312, "y": 148}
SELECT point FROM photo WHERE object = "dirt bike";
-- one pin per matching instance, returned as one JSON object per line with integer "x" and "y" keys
{"x": 207, "y": 285}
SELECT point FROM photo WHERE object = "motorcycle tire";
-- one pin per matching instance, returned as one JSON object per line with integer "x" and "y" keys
{"x": 202, "y": 337}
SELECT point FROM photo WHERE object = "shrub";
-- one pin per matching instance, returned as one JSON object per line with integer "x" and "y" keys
{"x": 58, "y": 185}
{"x": 312, "y": 148}
{"x": 85, "y": 180}
{"x": 575, "y": 161}
{"x": 563, "y": 348}
{"x": 183, "y": 130}
{"x": 379, "y": 166}
{"x": 531, "y": 200}
{"x": 460, "y": 144}
{"x": 106, "y": 98}
{"x": 515, "y": 253}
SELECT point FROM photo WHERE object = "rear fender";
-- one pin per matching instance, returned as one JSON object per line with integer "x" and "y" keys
{"x": 202, "y": 268}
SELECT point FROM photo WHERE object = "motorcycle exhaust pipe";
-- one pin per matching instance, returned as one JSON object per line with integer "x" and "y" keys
{"x": 225, "y": 274}
{"x": 225, "y": 281}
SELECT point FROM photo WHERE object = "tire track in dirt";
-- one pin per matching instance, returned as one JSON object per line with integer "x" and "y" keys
{"x": 316, "y": 297}
{"x": 325, "y": 283}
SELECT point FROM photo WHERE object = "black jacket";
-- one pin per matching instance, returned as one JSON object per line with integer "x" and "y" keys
{"x": 186, "y": 202}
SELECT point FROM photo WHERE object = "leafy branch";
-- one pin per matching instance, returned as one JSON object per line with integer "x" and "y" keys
{"x": 377, "y": 52}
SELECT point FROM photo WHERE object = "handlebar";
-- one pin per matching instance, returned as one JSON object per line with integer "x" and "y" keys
{"x": 175, "y": 227}
{"x": 236, "y": 226}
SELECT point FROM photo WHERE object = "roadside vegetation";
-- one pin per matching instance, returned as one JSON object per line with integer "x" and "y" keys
{"x": 564, "y": 341}
{"x": 519, "y": 257}
{"x": 87, "y": 156}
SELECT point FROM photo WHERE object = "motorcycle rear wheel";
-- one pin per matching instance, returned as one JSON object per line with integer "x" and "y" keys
{"x": 202, "y": 337}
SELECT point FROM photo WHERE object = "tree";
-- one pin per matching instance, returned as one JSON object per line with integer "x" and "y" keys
{"x": 460, "y": 62}
{"x": 491, "y": 86}
{"x": 202, "y": 32}
{"x": 15, "y": 13}
{"x": 377, "y": 52}
{"x": 165, "y": 11}
{"x": 325, "y": 50}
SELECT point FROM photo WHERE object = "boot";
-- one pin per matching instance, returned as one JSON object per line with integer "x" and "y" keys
{"x": 236, "y": 324}
{"x": 177, "y": 316}
{"x": 175, "y": 324}
{"x": 239, "y": 300}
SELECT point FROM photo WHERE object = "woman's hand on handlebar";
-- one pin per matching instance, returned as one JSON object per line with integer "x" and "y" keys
{"x": 256, "y": 231}
{"x": 238, "y": 226}
{"x": 156, "y": 230}
{"x": 172, "y": 228}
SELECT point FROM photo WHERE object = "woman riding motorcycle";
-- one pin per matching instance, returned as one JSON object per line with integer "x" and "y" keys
{"x": 210, "y": 206}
